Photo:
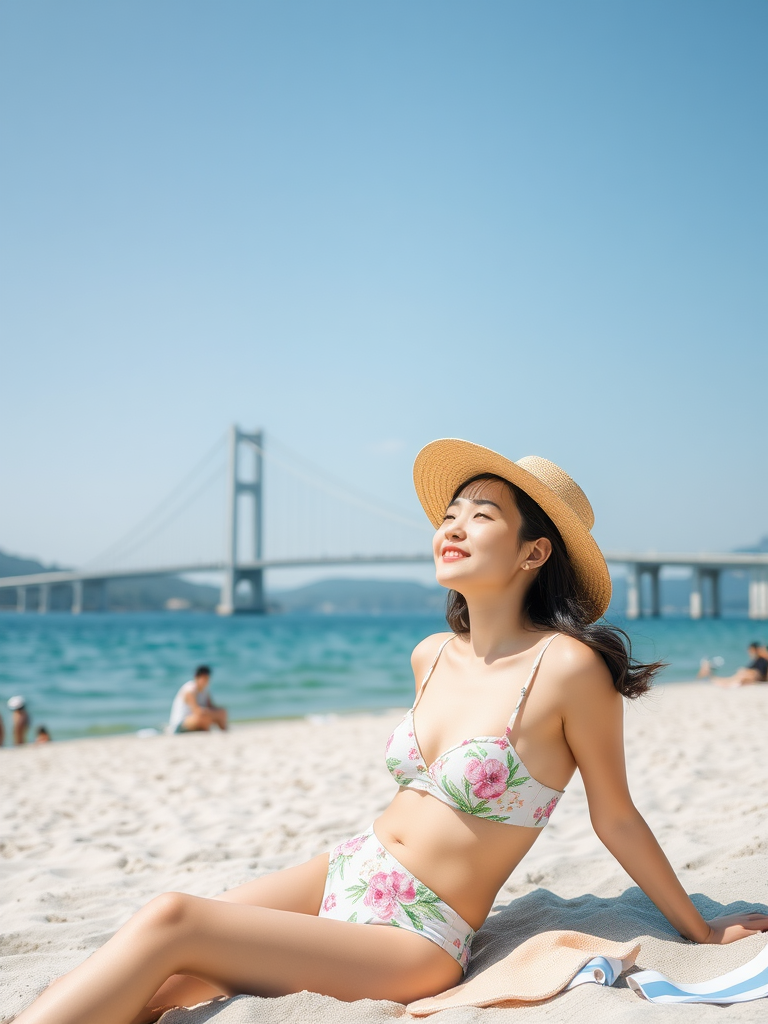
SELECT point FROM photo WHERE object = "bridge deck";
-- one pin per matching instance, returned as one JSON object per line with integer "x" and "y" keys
{"x": 704, "y": 560}
{"x": 703, "y": 565}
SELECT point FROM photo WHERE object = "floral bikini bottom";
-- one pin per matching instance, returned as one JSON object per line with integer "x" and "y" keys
{"x": 368, "y": 885}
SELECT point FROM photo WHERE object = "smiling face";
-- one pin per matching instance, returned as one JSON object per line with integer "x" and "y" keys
{"x": 477, "y": 543}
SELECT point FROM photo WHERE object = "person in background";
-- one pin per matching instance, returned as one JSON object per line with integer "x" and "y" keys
{"x": 19, "y": 720}
{"x": 43, "y": 736}
{"x": 755, "y": 672}
{"x": 2, "y": 731}
{"x": 192, "y": 709}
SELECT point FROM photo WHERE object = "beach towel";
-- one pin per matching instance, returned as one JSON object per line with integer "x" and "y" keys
{"x": 554, "y": 962}
{"x": 536, "y": 970}
{"x": 739, "y": 986}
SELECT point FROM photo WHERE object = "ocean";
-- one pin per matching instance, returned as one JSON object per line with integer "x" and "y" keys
{"x": 94, "y": 675}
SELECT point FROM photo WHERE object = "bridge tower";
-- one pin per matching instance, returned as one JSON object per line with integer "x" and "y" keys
{"x": 250, "y": 487}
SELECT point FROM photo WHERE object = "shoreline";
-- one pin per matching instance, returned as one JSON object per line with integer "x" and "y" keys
{"x": 310, "y": 716}
{"x": 315, "y": 718}
{"x": 105, "y": 678}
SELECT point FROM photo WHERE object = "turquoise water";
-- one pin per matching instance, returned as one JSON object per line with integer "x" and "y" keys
{"x": 93, "y": 675}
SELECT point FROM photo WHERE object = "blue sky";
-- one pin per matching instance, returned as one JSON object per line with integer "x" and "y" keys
{"x": 361, "y": 226}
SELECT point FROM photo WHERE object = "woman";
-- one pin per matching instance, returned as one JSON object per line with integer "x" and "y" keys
{"x": 479, "y": 777}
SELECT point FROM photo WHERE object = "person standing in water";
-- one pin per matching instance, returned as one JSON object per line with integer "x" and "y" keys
{"x": 19, "y": 719}
{"x": 193, "y": 709}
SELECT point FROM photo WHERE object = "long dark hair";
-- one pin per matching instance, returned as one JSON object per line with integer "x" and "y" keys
{"x": 553, "y": 601}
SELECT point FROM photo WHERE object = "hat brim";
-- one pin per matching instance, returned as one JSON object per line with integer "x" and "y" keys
{"x": 442, "y": 466}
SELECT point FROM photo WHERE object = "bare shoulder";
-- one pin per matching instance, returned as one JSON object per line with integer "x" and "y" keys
{"x": 579, "y": 672}
{"x": 424, "y": 654}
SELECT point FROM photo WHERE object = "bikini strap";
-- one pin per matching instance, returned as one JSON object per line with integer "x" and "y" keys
{"x": 529, "y": 680}
{"x": 428, "y": 676}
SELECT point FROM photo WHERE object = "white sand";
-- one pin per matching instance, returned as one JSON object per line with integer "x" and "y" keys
{"x": 92, "y": 829}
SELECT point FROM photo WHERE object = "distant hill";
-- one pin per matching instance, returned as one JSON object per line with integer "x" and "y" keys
{"x": 352, "y": 596}
{"x": 761, "y": 547}
{"x": 12, "y": 565}
{"x": 141, "y": 595}
{"x": 339, "y": 595}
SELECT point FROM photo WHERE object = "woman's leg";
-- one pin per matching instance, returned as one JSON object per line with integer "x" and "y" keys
{"x": 240, "y": 948}
{"x": 298, "y": 889}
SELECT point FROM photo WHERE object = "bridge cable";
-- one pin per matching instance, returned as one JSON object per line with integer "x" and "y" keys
{"x": 219, "y": 471}
{"x": 339, "y": 490}
{"x": 147, "y": 521}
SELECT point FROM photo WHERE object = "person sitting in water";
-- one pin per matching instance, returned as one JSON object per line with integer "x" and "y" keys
{"x": 19, "y": 719}
{"x": 192, "y": 709}
{"x": 755, "y": 672}
{"x": 43, "y": 736}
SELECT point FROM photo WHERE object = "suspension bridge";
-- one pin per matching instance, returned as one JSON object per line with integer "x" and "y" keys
{"x": 307, "y": 520}
{"x": 308, "y": 511}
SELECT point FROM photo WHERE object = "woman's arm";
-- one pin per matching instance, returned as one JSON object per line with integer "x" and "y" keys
{"x": 593, "y": 720}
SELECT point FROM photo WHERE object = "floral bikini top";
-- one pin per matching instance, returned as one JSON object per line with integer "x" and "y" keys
{"x": 482, "y": 776}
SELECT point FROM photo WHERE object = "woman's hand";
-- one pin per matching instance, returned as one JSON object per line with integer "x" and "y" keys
{"x": 735, "y": 926}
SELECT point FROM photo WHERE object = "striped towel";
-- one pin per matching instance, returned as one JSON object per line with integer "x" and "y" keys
{"x": 601, "y": 970}
{"x": 747, "y": 982}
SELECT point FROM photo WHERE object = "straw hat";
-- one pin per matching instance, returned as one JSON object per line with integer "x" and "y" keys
{"x": 442, "y": 466}
{"x": 538, "y": 969}
{"x": 16, "y": 703}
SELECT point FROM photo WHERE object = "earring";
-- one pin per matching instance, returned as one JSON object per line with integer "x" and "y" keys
{"x": 525, "y": 565}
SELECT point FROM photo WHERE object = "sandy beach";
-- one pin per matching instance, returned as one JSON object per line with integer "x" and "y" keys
{"x": 92, "y": 829}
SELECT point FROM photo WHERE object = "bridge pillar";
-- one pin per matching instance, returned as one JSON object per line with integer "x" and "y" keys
{"x": 98, "y": 592}
{"x": 21, "y": 599}
{"x": 44, "y": 598}
{"x": 696, "y": 606}
{"x": 653, "y": 572}
{"x": 633, "y": 591}
{"x": 714, "y": 575}
{"x": 758, "y": 594}
{"x": 76, "y": 607}
{"x": 253, "y": 488}
{"x": 255, "y": 578}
